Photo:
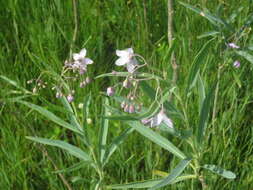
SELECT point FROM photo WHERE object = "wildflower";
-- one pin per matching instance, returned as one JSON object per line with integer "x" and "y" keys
{"x": 70, "y": 98}
{"x": 80, "y": 61}
{"x": 126, "y": 58}
{"x": 131, "y": 109}
{"x": 110, "y": 91}
{"x": 233, "y": 45}
{"x": 158, "y": 119}
{"x": 236, "y": 64}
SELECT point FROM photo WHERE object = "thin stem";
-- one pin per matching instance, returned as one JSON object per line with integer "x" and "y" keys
{"x": 74, "y": 2}
{"x": 170, "y": 40}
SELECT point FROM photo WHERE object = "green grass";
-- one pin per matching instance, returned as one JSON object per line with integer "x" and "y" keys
{"x": 35, "y": 33}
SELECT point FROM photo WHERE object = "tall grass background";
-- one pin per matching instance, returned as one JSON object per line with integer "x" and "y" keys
{"x": 36, "y": 33}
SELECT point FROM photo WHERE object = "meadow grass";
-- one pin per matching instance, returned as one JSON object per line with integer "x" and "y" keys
{"x": 37, "y": 34}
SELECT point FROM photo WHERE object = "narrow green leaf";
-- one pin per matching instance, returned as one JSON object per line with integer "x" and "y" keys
{"x": 156, "y": 138}
{"x": 148, "y": 183}
{"x": 103, "y": 132}
{"x": 173, "y": 175}
{"x": 205, "y": 108}
{"x": 71, "y": 149}
{"x": 206, "y": 14}
{"x": 14, "y": 83}
{"x": 116, "y": 142}
{"x": 50, "y": 116}
{"x": 198, "y": 61}
{"x": 246, "y": 55}
{"x": 220, "y": 171}
{"x": 207, "y": 34}
{"x": 201, "y": 92}
{"x": 75, "y": 167}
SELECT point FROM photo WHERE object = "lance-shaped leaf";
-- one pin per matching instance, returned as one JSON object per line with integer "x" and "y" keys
{"x": 71, "y": 149}
{"x": 246, "y": 55}
{"x": 149, "y": 183}
{"x": 51, "y": 116}
{"x": 173, "y": 175}
{"x": 198, "y": 61}
{"x": 205, "y": 108}
{"x": 72, "y": 168}
{"x": 220, "y": 171}
{"x": 14, "y": 83}
{"x": 156, "y": 138}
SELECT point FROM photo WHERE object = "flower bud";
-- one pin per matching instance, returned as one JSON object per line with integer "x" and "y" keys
{"x": 70, "y": 98}
{"x": 88, "y": 80}
{"x": 110, "y": 91}
{"x": 145, "y": 121}
{"x": 126, "y": 83}
{"x": 236, "y": 64}
{"x": 126, "y": 108}
{"x": 82, "y": 84}
{"x": 123, "y": 104}
{"x": 58, "y": 95}
{"x": 131, "y": 109}
{"x": 89, "y": 121}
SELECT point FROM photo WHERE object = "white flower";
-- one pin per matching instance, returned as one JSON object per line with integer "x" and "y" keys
{"x": 158, "y": 119}
{"x": 126, "y": 58}
{"x": 80, "y": 61}
{"x": 233, "y": 45}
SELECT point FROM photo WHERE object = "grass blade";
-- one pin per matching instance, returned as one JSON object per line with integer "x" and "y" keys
{"x": 156, "y": 138}
{"x": 71, "y": 149}
{"x": 103, "y": 132}
{"x": 75, "y": 167}
{"x": 220, "y": 171}
{"x": 51, "y": 116}
{"x": 14, "y": 83}
{"x": 173, "y": 175}
{"x": 115, "y": 143}
{"x": 212, "y": 18}
{"x": 204, "y": 114}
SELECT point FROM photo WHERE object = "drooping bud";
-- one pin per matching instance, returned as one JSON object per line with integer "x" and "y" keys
{"x": 123, "y": 104}
{"x": 126, "y": 83}
{"x": 88, "y": 80}
{"x": 110, "y": 91}
{"x": 58, "y": 94}
{"x": 236, "y": 64}
{"x": 89, "y": 121}
{"x": 82, "y": 84}
{"x": 70, "y": 98}
{"x": 126, "y": 108}
{"x": 131, "y": 109}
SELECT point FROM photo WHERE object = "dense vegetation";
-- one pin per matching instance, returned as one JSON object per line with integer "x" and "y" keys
{"x": 36, "y": 36}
